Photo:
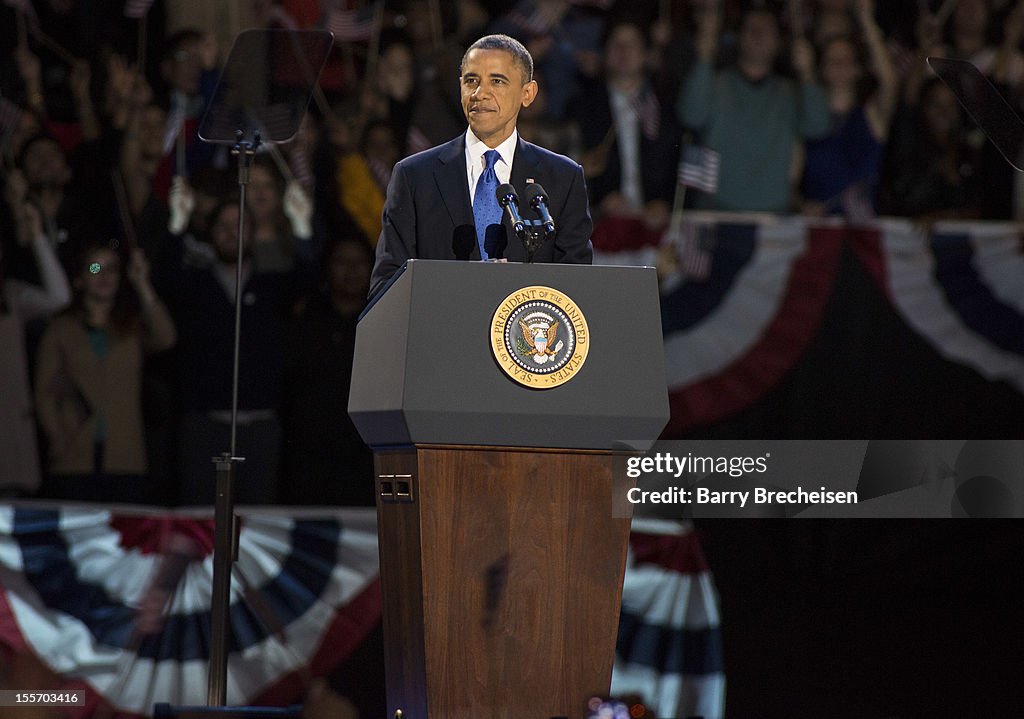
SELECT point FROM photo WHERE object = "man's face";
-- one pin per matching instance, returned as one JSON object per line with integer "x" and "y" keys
{"x": 45, "y": 165}
{"x": 183, "y": 70}
{"x": 759, "y": 38}
{"x": 224, "y": 234}
{"x": 624, "y": 52}
{"x": 493, "y": 92}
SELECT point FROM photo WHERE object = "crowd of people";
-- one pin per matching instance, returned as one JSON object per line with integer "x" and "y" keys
{"x": 119, "y": 225}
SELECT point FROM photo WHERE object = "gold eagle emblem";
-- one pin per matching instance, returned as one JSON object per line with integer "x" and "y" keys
{"x": 540, "y": 343}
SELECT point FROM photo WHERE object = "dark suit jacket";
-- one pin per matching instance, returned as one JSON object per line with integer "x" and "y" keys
{"x": 428, "y": 205}
{"x": 659, "y": 158}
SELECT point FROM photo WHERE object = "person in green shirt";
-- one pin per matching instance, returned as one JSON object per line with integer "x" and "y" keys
{"x": 754, "y": 117}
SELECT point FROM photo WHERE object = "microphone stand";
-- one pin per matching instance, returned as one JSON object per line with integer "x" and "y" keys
{"x": 533, "y": 236}
{"x": 225, "y": 548}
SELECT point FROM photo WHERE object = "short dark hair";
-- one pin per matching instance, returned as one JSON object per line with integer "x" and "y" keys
{"x": 516, "y": 49}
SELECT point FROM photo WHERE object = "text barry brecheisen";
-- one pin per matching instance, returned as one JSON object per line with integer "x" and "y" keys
{"x": 667, "y": 464}
{"x": 760, "y": 495}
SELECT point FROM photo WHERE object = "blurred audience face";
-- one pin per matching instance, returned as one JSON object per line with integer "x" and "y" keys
{"x": 152, "y": 124}
{"x": 99, "y": 278}
{"x": 759, "y": 39}
{"x": 625, "y": 52}
{"x": 224, "y": 233}
{"x": 941, "y": 110}
{"x": 45, "y": 165}
{"x": 395, "y": 71}
{"x": 971, "y": 17}
{"x": 831, "y": 24}
{"x": 840, "y": 66}
{"x": 493, "y": 92}
{"x": 348, "y": 268}
{"x": 183, "y": 69}
{"x": 263, "y": 194}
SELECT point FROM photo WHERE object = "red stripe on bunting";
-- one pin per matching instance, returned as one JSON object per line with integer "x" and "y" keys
{"x": 150, "y": 534}
{"x": 867, "y": 243}
{"x": 351, "y": 624}
{"x": 783, "y": 342}
{"x": 676, "y": 553}
{"x": 619, "y": 234}
{"x": 10, "y": 633}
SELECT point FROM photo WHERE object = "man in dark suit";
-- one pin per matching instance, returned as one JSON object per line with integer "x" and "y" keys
{"x": 442, "y": 200}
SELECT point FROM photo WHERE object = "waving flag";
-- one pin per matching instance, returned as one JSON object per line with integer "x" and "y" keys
{"x": 699, "y": 167}
{"x": 351, "y": 25}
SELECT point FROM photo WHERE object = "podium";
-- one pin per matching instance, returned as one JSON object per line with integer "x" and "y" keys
{"x": 493, "y": 395}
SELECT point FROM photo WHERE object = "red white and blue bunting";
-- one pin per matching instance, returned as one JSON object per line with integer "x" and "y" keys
{"x": 74, "y": 578}
{"x": 751, "y": 291}
{"x": 669, "y": 647}
{"x": 732, "y": 332}
{"x": 958, "y": 285}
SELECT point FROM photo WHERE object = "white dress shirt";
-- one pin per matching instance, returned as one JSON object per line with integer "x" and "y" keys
{"x": 627, "y": 131}
{"x": 475, "y": 164}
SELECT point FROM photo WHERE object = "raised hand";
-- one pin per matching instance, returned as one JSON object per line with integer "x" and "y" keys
{"x": 181, "y": 202}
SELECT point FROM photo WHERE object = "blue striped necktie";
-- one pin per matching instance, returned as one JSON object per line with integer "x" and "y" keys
{"x": 486, "y": 210}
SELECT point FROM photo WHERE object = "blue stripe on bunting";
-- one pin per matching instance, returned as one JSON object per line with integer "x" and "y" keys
{"x": 692, "y": 302}
{"x": 303, "y": 577}
{"x": 695, "y": 652}
{"x": 971, "y": 299}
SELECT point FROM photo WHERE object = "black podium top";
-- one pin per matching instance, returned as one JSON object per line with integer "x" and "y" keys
{"x": 458, "y": 352}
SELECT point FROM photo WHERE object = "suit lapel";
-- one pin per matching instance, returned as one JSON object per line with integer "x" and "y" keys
{"x": 524, "y": 166}
{"x": 452, "y": 183}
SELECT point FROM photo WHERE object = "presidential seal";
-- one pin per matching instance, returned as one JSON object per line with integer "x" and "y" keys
{"x": 539, "y": 337}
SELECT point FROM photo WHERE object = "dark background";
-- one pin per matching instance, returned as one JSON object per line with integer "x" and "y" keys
{"x": 862, "y": 618}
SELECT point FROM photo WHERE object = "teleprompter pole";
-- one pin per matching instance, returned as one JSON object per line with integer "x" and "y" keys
{"x": 225, "y": 549}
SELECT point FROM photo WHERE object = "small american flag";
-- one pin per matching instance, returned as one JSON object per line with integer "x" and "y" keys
{"x": 301, "y": 168}
{"x": 696, "y": 250}
{"x": 137, "y": 9}
{"x": 416, "y": 141}
{"x": 699, "y": 168}
{"x": 10, "y": 121}
{"x": 351, "y": 25}
{"x": 902, "y": 58}
{"x": 534, "y": 23}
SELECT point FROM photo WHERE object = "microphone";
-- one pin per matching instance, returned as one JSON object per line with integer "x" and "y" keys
{"x": 495, "y": 242}
{"x": 463, "y": 241}
{"x": 538, "y": 200}
{"x": 509, "y": 201}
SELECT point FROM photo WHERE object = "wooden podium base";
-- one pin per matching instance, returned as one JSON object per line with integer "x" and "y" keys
{"x": 501, "y": 571}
